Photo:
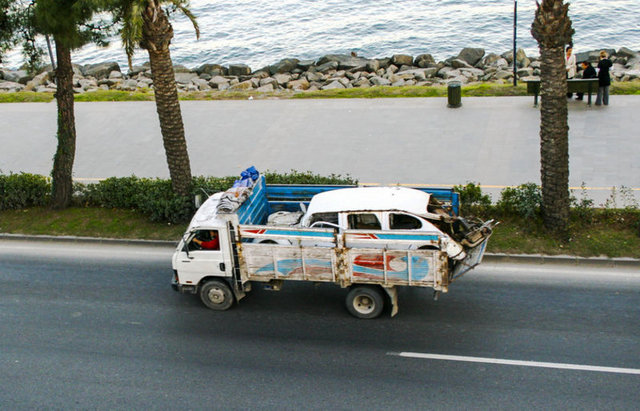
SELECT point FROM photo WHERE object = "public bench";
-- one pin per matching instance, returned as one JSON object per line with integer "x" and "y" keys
{"x": 586, "y": 85}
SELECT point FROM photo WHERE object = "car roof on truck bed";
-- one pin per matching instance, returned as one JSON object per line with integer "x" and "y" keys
{"x": 370, "y": 198}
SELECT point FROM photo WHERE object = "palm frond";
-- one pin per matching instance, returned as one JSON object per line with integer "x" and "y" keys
{"x": 131, "y": 32}
{"x": 183, "y": 6}
{"x": 192, "y": 18}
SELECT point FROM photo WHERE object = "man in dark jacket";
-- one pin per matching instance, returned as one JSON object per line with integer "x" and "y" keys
{"x": 587, "y": 72}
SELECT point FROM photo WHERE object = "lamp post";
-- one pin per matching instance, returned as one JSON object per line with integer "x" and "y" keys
{"x": 515, "y": 23}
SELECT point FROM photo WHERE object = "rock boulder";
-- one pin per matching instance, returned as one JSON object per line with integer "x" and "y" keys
{"x": 100, "y": 70}
{"x": 239, "y": 70}
{"x": 212, "y": 70}
{"x": 424, "y": 61}
{"x": 401, "y": 59}
{"x": 283, "y": 66}
{"x": 471, "y": 55}
{"x": 625, "y": 52}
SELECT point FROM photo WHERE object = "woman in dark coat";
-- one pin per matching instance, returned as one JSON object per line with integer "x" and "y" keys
{"x": 604, "y": 79}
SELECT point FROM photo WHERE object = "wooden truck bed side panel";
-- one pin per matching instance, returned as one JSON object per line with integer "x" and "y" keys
{"x": 298, "y": 260}
{"x": 266, "y": 262}
{"x": 420, "y": 268}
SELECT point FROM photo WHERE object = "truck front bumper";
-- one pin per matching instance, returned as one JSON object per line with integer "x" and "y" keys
{"x": 182, "y": 288}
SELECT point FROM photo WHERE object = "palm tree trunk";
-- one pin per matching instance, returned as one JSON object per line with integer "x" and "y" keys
{"x": 62, "y": 173}
{"x": 554, "y": 140}
{"x": 157, "y": 35}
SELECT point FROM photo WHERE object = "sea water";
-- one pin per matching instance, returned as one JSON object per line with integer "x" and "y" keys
{"x": 260, "y": 32}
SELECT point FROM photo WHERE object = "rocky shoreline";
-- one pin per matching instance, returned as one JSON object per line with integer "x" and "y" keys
{"x": 334, "y": 71}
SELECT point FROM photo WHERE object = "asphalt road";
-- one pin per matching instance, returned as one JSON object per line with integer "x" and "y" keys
{"x": 98, "y": 327}
{"x": 491, "y": 141}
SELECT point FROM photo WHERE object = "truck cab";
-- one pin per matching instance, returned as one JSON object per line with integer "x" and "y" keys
{"x": 193, "y": 260}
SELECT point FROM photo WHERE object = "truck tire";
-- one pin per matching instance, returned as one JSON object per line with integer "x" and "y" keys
{"x": 365, "y": 302}
{"x": 216, "y": 295}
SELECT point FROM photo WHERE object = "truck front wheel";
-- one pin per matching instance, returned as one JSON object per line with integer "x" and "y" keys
{"x": 216, "y": 295}
{"x": 365, "y": 302}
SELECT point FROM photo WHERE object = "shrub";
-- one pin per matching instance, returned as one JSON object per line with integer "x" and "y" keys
{"x": 582, "y": 209}
{"x": 472, "y": 201}
{"x": 524, "y": 200}
{"x": 612, "y": 211}
{"x": 23, "y": 190}
{"x": 307, "y": 177}
{"x": 210, "y": 185}
{"x": 155, "y": 198}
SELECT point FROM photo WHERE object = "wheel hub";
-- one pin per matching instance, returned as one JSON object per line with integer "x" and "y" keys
{"x": 216, "y": 295}
{"x": 364, "y": 304}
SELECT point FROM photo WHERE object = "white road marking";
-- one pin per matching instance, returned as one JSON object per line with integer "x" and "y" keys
{"x": 559, "y": 366}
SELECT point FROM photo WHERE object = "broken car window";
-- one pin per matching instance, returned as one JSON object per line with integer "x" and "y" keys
{"x": 404, "y": 222}
{"x": 364, "y": 222}
{"x": 325, "y": 217}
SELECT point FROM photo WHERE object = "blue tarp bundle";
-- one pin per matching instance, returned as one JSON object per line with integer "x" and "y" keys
{"x": 239, "y": 192}
{"x": 247, "y": 178}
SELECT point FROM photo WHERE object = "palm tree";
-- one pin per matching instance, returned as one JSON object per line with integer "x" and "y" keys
{"x": 62, "y": 173}
{"x": 145, "y": 23}
{"x": 72, "y": 25}
{"x": 552, "y": 29}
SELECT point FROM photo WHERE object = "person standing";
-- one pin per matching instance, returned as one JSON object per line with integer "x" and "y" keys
{"x": 587, "y": 72}
{"x": 604, "y": 79}
{"x": 570, "y": 65}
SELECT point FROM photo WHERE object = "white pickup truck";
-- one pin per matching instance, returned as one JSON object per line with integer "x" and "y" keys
{"x": 368, "y": 239}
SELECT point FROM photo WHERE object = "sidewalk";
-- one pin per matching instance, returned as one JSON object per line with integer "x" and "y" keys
{"x": 489, "y": 140}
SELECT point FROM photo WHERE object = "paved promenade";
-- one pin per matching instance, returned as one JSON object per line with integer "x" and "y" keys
{"x": 493, "y": 140}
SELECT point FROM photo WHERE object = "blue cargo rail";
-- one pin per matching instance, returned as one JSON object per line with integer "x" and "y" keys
{"x": 266, "y": 199}
{"x": 288, "y": 197}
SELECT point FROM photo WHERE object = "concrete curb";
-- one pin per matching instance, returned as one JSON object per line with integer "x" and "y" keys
{"x": 603, "y": 262}
{"x": 488, "y": 258}
{"x": 87, "y": 240}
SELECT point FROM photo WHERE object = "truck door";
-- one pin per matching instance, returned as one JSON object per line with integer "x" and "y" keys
{"x": 202, "y": 256}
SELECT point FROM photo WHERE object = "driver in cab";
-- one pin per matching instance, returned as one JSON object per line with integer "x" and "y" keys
{"x": 212, "y": 244}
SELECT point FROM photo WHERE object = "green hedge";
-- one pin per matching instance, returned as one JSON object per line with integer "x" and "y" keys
{"x": 154, "y": 197}
{"x": 18, "y": 191}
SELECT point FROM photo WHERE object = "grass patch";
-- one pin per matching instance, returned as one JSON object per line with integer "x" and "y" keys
{"x": 468, "y": 90}
{"x": 87, "y": 222}
{"x": 494, "y": 90}
{"x": 116, "y": 95}
{"x": 625, "y": 87}
{"x": 376, "y": 92}
{"x": 595, "y": 238}
{"x": 235, "y": 95}
{"x": 26, "y": 97}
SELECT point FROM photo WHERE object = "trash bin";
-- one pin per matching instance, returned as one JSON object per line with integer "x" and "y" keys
{"x": 454, "y": 94}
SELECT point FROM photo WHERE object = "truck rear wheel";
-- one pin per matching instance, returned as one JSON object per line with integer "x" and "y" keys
{"x": 365, "y": 302}
{"x": 216, "y": 295}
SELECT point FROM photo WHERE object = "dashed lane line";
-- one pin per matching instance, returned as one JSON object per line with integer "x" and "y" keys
{"x": 559, "y": 366}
